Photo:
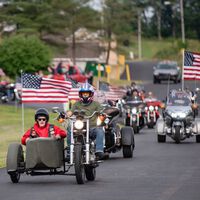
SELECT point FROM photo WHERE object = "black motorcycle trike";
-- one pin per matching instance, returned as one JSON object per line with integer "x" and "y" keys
{"x": 116, "y": 137}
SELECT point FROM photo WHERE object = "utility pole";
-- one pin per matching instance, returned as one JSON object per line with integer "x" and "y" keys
{"x": 182, "y": 22}
{"x": 139, "y": 36}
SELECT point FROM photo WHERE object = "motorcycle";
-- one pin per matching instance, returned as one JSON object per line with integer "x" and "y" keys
{"x": 49, "y": 156}
{"x": 7, "y": 93}
{"x": 82, "y": 148}
{"x": 116, "y": 138}
{"x": 178, "y": 120}
{"x": 152, "y": 111}
{"x": 135, "y": 115}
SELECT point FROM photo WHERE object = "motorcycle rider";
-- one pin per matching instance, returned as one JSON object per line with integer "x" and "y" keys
{"x": 42, "y": 128}
{"x": 87, "y": 103}
{"x": 134, "y": 97}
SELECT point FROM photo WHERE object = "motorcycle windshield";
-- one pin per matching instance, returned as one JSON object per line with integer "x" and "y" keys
{"x": 134, "y": 103}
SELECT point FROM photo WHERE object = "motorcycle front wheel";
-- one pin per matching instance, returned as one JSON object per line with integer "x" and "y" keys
{"x": 177, "y": 136}
{"x": 78, "y": 163}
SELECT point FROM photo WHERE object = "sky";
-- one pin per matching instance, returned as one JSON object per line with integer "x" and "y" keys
{"x": 96, "y": 4}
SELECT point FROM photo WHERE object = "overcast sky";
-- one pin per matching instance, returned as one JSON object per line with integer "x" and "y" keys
{"x": 96, "y": 4}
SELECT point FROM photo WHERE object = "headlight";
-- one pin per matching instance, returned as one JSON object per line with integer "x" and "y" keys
{"x": 151, "y": 108}
{"x": 156, "y": 73}
{"x": 78, "y": 124}
{"x": 134, "y": 110}
{"x": 181, "y": 115}
{"x": 173, "y": 73}
{"x": 106, "y": 121}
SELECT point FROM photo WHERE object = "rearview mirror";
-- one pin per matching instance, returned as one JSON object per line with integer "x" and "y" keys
{"x": 55, "y": 109}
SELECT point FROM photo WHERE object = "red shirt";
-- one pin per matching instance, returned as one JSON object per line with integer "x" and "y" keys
{"x": 43, "y": 132}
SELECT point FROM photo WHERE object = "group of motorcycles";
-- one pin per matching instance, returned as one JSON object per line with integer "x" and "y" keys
{"x": 138, "y": 113}
{"x": 9, "y": 92}
{"x": 79, "y": 153}
{"x": 177, "y": 121}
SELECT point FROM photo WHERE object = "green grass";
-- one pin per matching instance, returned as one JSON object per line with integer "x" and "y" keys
{"x": 151, "y": 47}
{"x": 11, "y": 127}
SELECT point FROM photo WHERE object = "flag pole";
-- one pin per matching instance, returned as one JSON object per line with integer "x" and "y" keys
{"x": 22, "y": 104}
{"x": 183, "y": 58}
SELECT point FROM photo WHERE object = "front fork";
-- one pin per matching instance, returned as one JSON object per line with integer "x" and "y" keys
{"x": 149, "y": 116}
{"x": 134, "y": 118}
{"x": 87, "y": 145}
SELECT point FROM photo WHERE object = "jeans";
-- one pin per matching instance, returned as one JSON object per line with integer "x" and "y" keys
{"x": 95, "y": 133}
{"x": 98, "y": 134}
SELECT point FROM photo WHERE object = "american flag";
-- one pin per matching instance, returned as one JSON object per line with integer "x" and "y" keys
{"x": 111, "y": 92}
{"x": 39, "y": 90}
{"x": 191, "y": 66}
{"x": 74, "y": 92}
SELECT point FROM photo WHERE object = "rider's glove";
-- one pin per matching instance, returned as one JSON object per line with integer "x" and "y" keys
{"x": 62, "y": 115}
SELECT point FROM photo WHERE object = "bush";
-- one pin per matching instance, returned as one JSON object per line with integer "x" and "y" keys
{"x": 23, "y": 53}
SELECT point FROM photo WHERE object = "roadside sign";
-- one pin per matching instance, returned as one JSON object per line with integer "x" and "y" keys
{"x": 108, "y": 69}
{"x": 121, "y": 59}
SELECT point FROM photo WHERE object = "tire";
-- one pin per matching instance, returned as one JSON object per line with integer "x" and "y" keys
{"x": 128, "y": 151}
{"x": 127, "y": 121}
{"x": 90, "y": 173}
{"x": 161, "y": 138}
{"x": 154, "y": 80}
{"x": 14, "y": 158}
{"x": 198, "y": 138}
{"x": 175, "y": 81}
{"x": 136, "y": 129}
{"x": 15, "y": 177}
{"x": 78, "y": 164}
{"x": 150, "y": 125}
{"x": 177, "y": 135}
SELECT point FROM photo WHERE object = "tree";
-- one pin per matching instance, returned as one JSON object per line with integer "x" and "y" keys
{"x": 23, "y": 53}
{"x": 73, "y": 15}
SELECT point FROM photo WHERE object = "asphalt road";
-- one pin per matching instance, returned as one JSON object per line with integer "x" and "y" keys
{"x": 157, "y": 171}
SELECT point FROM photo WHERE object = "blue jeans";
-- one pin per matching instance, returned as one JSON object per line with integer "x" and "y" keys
{"x": 95, "y": 133}
{"x": 98, "y": 134}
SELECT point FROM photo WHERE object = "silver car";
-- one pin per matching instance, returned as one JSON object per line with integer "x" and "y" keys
{"x": 167, "y": 70}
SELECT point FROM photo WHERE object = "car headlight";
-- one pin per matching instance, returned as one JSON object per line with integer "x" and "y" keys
{"x": 79, "y": 124}
{"x": 173, "y": 73}
{"x": 156, "y": 73}
{"x": 151, "y": 108}
{"x": 134, "y": 110}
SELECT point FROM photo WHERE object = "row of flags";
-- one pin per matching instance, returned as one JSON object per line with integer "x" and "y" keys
{"x": 37, "y": 89}
{"x": 191, "y": 68}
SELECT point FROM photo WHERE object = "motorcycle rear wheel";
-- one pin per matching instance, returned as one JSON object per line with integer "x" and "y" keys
{"x": 90, "y": 172}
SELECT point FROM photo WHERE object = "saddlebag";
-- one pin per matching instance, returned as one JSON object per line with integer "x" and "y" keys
{"x": 160, "y": 124}
{"x": 196, "y": 128}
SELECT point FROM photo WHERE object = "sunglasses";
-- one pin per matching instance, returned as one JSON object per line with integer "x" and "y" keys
{"x": 41, "y": 119}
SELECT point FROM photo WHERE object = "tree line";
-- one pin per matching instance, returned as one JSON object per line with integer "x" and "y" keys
{"x": 121, "y": 18}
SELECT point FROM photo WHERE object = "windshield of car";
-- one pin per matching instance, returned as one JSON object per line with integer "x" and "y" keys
{"x": 166, "y": 66}
{"x": 179, "y": 101}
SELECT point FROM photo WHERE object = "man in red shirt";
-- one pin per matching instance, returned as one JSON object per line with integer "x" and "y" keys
{"x": 42, "y": 128}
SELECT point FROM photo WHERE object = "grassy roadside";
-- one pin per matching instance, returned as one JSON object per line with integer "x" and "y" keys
{"x": 11, "y": 127}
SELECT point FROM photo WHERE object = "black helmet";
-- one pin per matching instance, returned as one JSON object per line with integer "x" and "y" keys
{"x": 42, "y": 112}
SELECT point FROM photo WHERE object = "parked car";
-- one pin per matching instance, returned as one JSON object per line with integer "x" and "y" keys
{"x": 75, "y": 73}
{"x": 167, "y": 70}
